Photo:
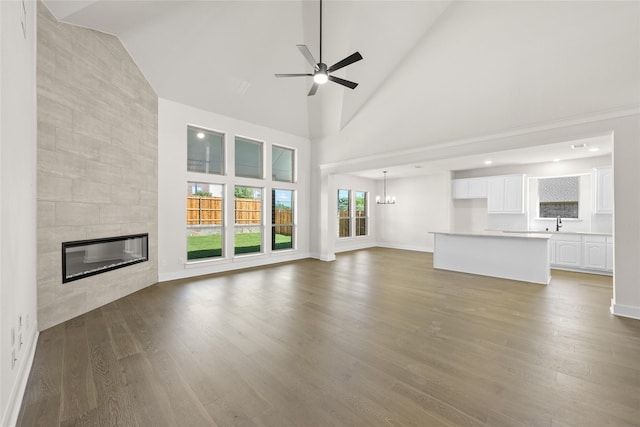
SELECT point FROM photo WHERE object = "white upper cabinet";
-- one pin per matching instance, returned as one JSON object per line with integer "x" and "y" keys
{"x": 604, "y": 190}
{"x": 505, "y": 194}
{"x": 478, "y": 188}
{"x": 460, "y": 188}
{"x": 469, "y": 188}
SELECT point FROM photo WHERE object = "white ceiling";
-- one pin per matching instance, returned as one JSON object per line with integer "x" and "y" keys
{"x": 433, "y": 71}
{"x": 221, "y": 56}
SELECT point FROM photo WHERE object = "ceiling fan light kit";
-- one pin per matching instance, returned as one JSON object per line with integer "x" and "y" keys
{"x": 322, "y": 73}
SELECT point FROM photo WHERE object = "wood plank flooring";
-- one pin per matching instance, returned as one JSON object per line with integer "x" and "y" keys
{"x": 376, "y": 338}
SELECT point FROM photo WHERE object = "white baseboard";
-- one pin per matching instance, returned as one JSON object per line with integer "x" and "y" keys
{"x": 17, "y": 392}
{"x": 406, "y": 247}
{"x": 354, "y": 246}
{"x": 221, "y": 266}
{"x": 625, "y": 310}
{"x": 327, "y": 258}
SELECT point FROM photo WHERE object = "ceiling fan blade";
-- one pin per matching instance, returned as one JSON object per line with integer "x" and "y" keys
{"x": 313, "y": 90}
{"x": 293, "y": 75}
{"x": 343, "y": 82}
{"x": 354, "y": 57}
{"x": 304, "y": 50}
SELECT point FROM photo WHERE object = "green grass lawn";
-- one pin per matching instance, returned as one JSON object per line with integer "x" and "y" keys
{"x": 211, "y": 246}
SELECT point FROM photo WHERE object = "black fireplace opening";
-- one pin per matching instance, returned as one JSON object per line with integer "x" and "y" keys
{"x": 84, "y": 258}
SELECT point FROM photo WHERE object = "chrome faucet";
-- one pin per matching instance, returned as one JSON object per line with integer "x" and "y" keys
{"x": 558, "y": 223}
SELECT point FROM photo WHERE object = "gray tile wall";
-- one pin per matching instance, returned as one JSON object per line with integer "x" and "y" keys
{"x": 97, "y": 163}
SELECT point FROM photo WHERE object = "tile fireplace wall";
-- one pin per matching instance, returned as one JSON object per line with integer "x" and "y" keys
{"x": 97, "y": 163}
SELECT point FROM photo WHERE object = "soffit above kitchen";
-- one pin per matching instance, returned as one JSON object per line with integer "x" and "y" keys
{"x": 588, "y": 147}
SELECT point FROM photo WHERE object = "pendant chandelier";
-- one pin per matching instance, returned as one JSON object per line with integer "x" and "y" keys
{"x": 385, "y": 200}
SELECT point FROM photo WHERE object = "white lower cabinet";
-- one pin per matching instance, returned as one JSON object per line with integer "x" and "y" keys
{"x": 581, "y": 252}
{"x": 595, "y": 252}
{"x": 568, "y": 251}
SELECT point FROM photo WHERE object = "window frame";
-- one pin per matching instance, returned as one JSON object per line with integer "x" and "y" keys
{"x": 220, "y": 227}
{"x": 344, "y": 219}
{"x": 365, "y": 217}
{"x": 223, "y": 150}
{"x": 260, "y": 226}
{"x": 293, "y": 163}
{"x": 576, "y": 202}
{"x": 262, "y": 159}
{"x": 292, "y": 224}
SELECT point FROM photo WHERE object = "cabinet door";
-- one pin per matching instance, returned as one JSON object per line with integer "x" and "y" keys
{"x": 595, "y": 256}
{"x": 460, "y": 188}
{"x": 513, "y": 194}
{"x": 552, "y": 252}
{"x": 568, "y": 254}
{"x": 604, "y": 190}
{"x": 478, "y": 188}
{"x": 495, "y": 194}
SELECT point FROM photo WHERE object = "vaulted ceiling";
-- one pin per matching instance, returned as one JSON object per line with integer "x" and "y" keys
{"x": 433, "y": 72}
{"x": 221, "y": 56}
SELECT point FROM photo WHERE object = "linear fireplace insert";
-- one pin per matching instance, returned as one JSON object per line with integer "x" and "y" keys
{"x": 83, "y": 258}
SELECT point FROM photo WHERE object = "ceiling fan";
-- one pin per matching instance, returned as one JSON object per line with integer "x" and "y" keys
{"x": 322, "y": 73}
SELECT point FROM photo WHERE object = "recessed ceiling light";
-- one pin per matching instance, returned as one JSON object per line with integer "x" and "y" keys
{"x": 487, "y": 162}
{"x": 200, "y": 135}
{"x": 574, "y": 146}
{"x": 556, "y": 160}
{"x": 594, "y": 149}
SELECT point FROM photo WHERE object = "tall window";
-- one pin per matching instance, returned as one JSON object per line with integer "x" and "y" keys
{"x": 205, "y": 223}
{"x": 559, "y": 197}
{"x": 361, "y": 213}
{"x": 281, "y": 219}
{"x": 205, "y": 151}
{"x": 344, "y": 218}
{"x": 281, "y": 164}
{"x": 248, "y": 158}
{"x": 248, "y": 220}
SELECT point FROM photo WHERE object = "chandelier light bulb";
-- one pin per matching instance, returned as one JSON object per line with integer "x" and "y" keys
{"x": 385, "y": 200}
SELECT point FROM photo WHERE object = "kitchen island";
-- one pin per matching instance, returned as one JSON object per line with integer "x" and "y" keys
{"x": 516, "y": 256}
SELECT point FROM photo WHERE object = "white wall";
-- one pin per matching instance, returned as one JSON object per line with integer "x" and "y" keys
{"x": 626, "y": 279}
{"x": 17, "y": 202}
{"x": 354, "y": 183}
{"x": 173, "y": 119}
{"x": 422, "y": 205}
{"x": 472, "y": 214}
{"x": 469, "y": 215}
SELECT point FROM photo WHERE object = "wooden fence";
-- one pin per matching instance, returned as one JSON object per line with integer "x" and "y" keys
{"x": 207, "y": 210}
{"x": 283, "y": 216}
{"x": 344, "y": 224}
{"x": 202, "y": 210}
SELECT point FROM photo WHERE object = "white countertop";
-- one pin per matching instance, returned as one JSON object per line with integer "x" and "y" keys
{"x": 497, "y": 233}
{"x": 578, "y": 233}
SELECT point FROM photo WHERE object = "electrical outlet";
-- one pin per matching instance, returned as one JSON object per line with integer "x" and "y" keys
{"x": 13, "y": 359}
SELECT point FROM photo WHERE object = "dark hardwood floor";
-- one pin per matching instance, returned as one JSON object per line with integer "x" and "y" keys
{"x": 376, "y": 338}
